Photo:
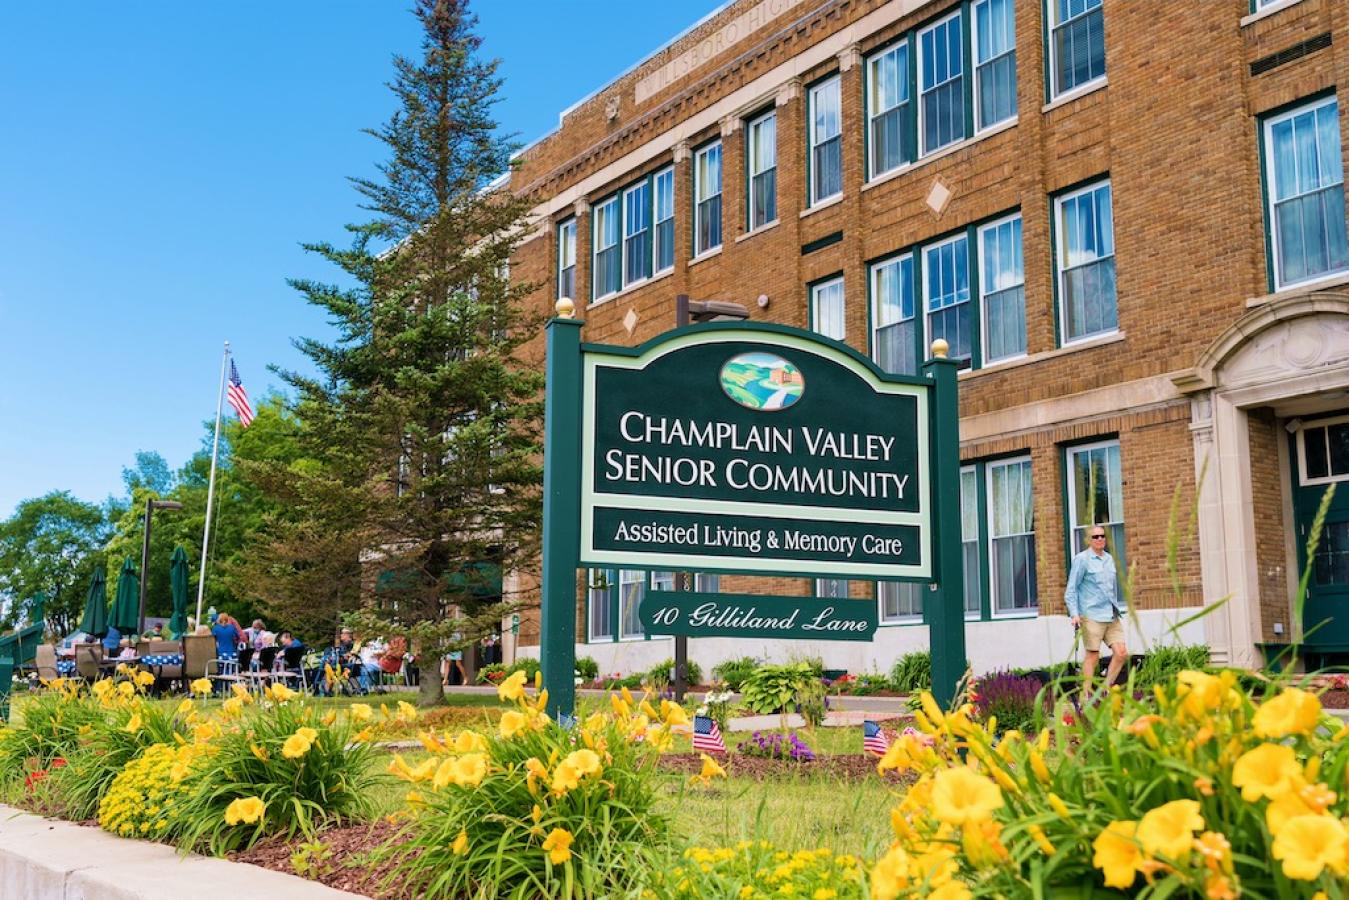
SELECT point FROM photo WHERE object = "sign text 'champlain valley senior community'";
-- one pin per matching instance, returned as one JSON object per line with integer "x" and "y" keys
{"x": 741, "y": 452}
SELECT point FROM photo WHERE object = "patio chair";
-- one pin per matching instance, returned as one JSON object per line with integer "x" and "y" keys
{"x": 198, "y": 652}
{"x": 88, "y": 661}
{"x": 292, "y": 666}
{"x": 44, "y": 660}
{"x": 259, "y": 672}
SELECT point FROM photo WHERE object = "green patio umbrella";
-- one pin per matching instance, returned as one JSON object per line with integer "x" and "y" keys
{"x": 126, "y": 603}
{"x": 95, "y": 620}
{"x": 178, "y": 582}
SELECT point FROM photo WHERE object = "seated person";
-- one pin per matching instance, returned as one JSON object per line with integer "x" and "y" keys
{"x": 392, "y": 661}
{"x": 128, "y": 652}
{"x": 157, "y": 633}
{"x": 227, "y": 637}
{"x": 370, "y": 654}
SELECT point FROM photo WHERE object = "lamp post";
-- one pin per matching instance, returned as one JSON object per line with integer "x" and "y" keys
{"x": 150, "y": 506}
{"x": 688, "y": 312}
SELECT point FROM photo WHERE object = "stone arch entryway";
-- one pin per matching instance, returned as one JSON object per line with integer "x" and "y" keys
{"x": 1279, "y": 366}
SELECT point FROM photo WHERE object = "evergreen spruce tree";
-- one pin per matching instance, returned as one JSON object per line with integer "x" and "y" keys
{"x": 424, "y": 421}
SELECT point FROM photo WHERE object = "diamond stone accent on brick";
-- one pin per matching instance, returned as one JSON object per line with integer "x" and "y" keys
{"x": 938, "y": 196}
{"x": 630, "y": 321}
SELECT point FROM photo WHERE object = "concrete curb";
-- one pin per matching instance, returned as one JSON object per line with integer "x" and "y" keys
{"x": 48, "y": 859}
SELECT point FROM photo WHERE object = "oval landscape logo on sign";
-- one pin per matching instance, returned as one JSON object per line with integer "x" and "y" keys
{"x": 762, "y": 381}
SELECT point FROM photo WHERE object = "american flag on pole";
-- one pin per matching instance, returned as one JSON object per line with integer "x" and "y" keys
{"x": 238, "y": 397}
{"x": 874, "y": 740}
{"x": 707, "y": 736}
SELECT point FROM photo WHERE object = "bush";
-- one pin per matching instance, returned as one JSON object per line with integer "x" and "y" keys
{"x": 1161, "y": 664}
{"x": 144, "y": 799}
{"x": 587, "y": 668}
{"x": 1192, "y": 790}
{"x": 492, "y": 673}
{"x": 776, "y": 745}
{"x": 1013, "y": 699}
{"x": 662, "y": 673}
{"x": 912, "y": 672}
{"x": 771, "y": 688}
{"x": 533, "y": 811}
{"x": 54, "y": 723}
{"x": 734, "y": 671}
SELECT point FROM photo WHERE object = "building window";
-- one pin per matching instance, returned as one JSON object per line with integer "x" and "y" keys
{"x": 1305, "y": 203}
{"x": 826, "y": 308}
{"x": 707, "y": 199}
{"x": 969, "y": 541}
{"x": 1086, "y": 262}
{"x": 893, "y": 340}
{"x": 946, "y": 296}
{"x": 707, "y": 582}
{"x": 889, "y": 113}
{"x": 1002, "y": 290}
{"x": 1076, "y": 44}
{"x": 566, "y": 259}
{"x": 901, "y": 601}
{"x": 831, "y": 588}
{"x": 1011, "y": 537}
{"x": 631, "y": 590}
{"x": 994, "y": 62}
{"x": 1096, "y": 495}
{"x": 600, "y": 617}
{"x": 826, "y": 141}
{"x": 1324, "y": 448}
{"x": 664, "y": 216}
{"x": 941, "y": 83}
{"x": 762, "y": 166}
{"x": 636, "y": 233}
{"x": 663, "y": 581}
{"x": 608, "y": 267}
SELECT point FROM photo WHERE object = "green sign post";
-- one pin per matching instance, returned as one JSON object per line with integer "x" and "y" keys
{"x": 748, "y": 448}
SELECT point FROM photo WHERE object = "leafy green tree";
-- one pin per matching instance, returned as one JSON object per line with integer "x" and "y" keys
{"x": 424, "y": 421}
{"x": 50, "y": 545}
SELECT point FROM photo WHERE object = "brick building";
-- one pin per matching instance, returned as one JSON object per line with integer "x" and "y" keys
{"x": 1128, "y": 218}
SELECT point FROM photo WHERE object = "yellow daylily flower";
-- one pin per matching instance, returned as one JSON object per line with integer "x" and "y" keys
{"x": 246, "y": 810}
{"x": 468, "y": 770}
{"x": 558, "y": 845}
{"x": 1118, "y": 854}
{"x": 1169, "y": 829}
{"x": 133, "y": 724}
{"x": 469, "y": 742}
{"x": 1270, "y": 770}
{"x": 586, "y": 762}
{"x": 513, "y": 688}
{"x": 512, "y": 723}
{"x": 232, "y": 707}
{"x": 201, "y": 686}
{"x": 240, "y": 691}
{"x": 1294, "y": 711}
{"x": 309, "y": 734}
{"x": 144, "y": 678}
{"x": 295, "y": 746}
{"x": 890, "y": 877}
{"x": 460, "y": 845}
{"x": 960, "y": 795}
{"x": 259, "y": 751}
{"x": 406, "y": 711}
{"x": 711, "y": 769}
{"x": 360, "y": 712}
{"x": 1307, "y": 845}
{"x": 565, "y": 778}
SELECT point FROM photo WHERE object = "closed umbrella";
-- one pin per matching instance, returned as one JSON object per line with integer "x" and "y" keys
{"x": 126, "y": 610}
{"x": 178, "y": 582}
{"x": 95, "y": 620}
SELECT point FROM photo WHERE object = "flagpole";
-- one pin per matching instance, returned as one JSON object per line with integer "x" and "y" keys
{"x": 210, "y": 488}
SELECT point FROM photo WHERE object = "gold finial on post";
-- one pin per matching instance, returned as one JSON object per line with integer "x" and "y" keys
{"x": 940, "y": 348}
{"x": 565, "y": 307}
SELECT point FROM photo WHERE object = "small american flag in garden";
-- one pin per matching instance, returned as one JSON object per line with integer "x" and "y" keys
{"x": 238, "y": 397}
{"x": 707, "y": 736}
{"x": 874, "y": 740}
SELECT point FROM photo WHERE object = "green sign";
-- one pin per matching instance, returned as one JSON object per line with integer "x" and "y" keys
{"x": 515, "y": 623}
{"x": 753, "y": 450}
{"x": 757, "y": 616}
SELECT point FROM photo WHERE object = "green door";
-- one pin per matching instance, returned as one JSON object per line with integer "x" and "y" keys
{"x": 1320, "y": 454}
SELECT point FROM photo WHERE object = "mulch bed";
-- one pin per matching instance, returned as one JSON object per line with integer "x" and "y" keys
{"x": 850, "y": 767}
{"x": 1335, "y": 699}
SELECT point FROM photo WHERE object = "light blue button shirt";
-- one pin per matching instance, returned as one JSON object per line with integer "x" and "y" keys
{"x": 1092, "y": 590}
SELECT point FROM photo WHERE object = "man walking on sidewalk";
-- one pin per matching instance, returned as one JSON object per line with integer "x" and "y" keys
{"x": 1093, "y": 601}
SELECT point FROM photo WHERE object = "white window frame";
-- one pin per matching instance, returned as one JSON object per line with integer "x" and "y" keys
{"x": 645, "y": 235}
{"x": 900, "y": 47}
{"x": 1271, "y": 189}
{"x": 624, "y": 579}
{"x": 923, "y": 149}
{"x": 1061, "y": 260}
{"x": 666, "y": 174}
{"x": 989, "y": 537}
{"x": 592, "y": 591}
{"x": 884, "y": 587}
{"x": 1116, "y": 549}
{"x": 847, "y": 588}
{"x": 975, "y": 63}
{"x": 873, "y": 273}
{"x": 835, "y": 84}
{"x": 924, "y": 298}
{"x": 972, "y": 615}
{"x": 979, "y": 257}
{"x": 753, "y": 140}
{"x": 1302, "y": 452}
{"x": 1052, "y": 56}
{"x": 563, "y": 247}
{"x": 815, "y": 290}
{"x": 698, "y": 201}
{"x": 596, "y": 249}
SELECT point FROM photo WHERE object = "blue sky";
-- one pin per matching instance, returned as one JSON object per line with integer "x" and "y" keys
{"x": 161, "y": 164}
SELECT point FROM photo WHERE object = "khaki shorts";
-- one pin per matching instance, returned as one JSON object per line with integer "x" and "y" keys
{"x": 1093, "y": 633}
